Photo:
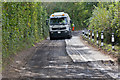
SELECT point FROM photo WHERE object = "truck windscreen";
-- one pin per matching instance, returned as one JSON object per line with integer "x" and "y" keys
{"x": 58, "y": 21}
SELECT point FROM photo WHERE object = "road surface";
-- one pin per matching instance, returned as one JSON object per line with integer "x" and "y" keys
{"x": 67, "y": 59}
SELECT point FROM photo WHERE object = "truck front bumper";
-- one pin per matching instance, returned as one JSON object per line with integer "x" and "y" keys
{"x": 60, "y": 34}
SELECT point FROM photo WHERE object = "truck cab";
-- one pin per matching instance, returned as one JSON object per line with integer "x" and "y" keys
{"x": 59, "y": 25}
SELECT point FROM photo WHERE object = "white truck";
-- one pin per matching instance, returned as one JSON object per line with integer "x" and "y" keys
{"x": 59, "y": 25}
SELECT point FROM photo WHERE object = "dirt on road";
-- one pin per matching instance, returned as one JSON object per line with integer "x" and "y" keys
{"x": 50, "y": 60}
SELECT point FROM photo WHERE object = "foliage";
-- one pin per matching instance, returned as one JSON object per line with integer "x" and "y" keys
{"x": 22, "y": 24}
{"x": 79, "y": 12}
{"x": 0, "y": 28}
{"x": 105, "y": 17}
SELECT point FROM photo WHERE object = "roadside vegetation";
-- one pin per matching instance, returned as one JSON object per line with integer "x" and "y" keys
{"x": 0, "y": 49}
{"x": 23, "y": 25}
{"x": 105, "y": 17}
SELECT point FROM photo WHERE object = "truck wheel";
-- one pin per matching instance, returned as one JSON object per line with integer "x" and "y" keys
{"x": 70, "y": 36}
{"x": 51, "y": 38}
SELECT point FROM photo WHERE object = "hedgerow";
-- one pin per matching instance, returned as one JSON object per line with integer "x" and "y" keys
{"x": 23, "y": 24}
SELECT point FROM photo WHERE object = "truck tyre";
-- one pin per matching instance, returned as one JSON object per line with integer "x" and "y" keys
{"x": 70, "y": 36}
{"x": 51, "y": 37}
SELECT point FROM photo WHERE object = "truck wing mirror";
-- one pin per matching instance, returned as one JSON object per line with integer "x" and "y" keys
{"x": 47, "y": 21}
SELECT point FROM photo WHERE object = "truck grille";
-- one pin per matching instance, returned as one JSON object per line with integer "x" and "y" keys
{"x": 59, "y": 28}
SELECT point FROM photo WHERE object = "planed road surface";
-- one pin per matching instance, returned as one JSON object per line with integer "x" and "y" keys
{"x": 69, "y": 59}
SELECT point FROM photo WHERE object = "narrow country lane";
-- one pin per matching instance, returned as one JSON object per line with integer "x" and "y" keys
{"x": 69, "y": 58}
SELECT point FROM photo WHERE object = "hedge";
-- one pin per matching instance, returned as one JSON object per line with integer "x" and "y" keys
{"x": 23, "y": 24}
